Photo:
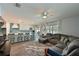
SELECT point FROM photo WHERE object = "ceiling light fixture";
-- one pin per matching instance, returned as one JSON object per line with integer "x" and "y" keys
{"x": 44, "y": 15}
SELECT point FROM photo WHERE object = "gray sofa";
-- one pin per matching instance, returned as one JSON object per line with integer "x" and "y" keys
{"x": 71, "y": 50}
{"x": 57, "y": 38}
{"x": 62, "y": 40}
{"x": 44, "y": 38}
{"x": 63, "y": 44}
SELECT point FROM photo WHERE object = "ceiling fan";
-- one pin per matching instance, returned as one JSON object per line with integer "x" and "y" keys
{"x": 41, "y": 12}
{"x": 44, "y": 13}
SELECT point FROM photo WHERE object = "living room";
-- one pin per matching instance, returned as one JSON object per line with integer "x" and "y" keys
{"x": 39, "y": 29}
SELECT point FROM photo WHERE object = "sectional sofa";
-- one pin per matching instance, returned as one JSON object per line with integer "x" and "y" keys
{"x": 65, "y": 45}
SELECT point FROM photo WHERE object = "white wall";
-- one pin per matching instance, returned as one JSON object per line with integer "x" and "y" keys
{"x": 24, "y": 27}
{"x": 70, "y": 26}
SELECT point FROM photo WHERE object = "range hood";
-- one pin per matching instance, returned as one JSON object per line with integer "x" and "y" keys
{"x": 15, "y": 26}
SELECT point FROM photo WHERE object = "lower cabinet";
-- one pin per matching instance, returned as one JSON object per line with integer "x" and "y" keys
{"x": 20, "y": 37}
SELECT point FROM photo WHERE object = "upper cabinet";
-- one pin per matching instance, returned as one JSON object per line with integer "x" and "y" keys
{"x": 2, "y": 26}
{"x": 1, "y": 21}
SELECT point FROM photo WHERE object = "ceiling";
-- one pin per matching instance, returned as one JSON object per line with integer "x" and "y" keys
{"x": 29, "y": 13}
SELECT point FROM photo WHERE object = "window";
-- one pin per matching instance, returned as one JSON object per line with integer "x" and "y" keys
{"x": 51, "y": 27}
{"x": 55, "y": 29}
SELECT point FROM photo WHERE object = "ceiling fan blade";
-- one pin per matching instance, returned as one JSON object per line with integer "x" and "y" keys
{"x": 39, "y": 10}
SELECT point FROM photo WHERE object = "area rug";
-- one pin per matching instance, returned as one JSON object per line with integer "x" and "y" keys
{"x": 28, "y": 49}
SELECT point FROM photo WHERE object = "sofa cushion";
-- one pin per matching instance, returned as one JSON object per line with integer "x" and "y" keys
{"x": 62, "y": 39}
{"x": 53, "y": 41}
{"x": 75, "y": 52}
{"x": 60, "y": 45}
{"x": 73, "y": 45}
